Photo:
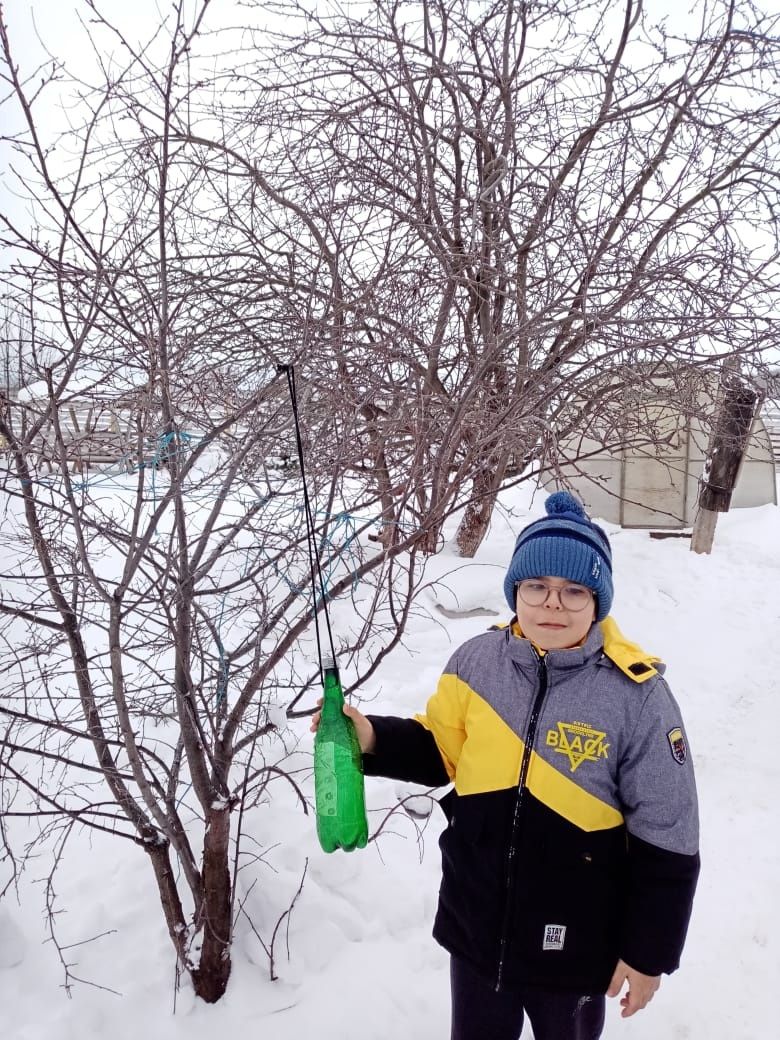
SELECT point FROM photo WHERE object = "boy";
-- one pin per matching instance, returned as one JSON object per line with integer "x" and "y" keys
{"x": 570, "y": 858}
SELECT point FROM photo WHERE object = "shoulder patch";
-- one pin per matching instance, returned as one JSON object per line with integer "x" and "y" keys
{"x": 639, "y": 668}
{"x": 679, "y": 748}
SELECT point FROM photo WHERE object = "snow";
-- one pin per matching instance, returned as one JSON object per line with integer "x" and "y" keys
{"x": 89, "y": 383}
{"x": 353, "y": 958}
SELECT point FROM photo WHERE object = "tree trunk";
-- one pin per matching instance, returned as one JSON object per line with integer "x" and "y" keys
{"x": 211, "y": 976}
{"x": 388, "y": 531}
{"x": 476, "y": 520}
{"x": 428, "y": 541}
{"x": 169, "y": 897}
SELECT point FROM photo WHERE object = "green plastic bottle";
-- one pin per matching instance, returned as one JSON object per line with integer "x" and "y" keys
{"x": 339, "y": 788}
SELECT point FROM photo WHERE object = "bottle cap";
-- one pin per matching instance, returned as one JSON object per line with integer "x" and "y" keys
{"x": 328, "y": 661}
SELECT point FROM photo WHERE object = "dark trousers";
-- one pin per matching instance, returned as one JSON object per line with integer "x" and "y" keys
{"x": 479, "y": 1013}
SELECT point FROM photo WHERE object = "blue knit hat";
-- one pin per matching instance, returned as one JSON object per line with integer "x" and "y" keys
{"x": 564, "y": 544}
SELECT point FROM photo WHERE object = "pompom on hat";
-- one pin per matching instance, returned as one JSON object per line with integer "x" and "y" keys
{"x": 564, "y": 544}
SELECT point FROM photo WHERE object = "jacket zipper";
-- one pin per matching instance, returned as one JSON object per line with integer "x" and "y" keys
{"x": 511, "y": 873}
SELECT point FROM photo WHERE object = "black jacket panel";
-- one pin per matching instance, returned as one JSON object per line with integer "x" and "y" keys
{"x": 659, "y": 897}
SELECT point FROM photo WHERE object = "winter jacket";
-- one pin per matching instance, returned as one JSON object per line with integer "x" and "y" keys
{"x": 572, "y": 836}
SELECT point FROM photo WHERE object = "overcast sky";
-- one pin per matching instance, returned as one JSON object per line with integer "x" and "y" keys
{"x": 42, "y": 29}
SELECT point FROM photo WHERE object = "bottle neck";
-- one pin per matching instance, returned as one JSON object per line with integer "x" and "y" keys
{"x": 332, "y": 693}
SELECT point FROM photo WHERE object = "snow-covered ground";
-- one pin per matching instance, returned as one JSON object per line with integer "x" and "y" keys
{"x": 354, "y": 958}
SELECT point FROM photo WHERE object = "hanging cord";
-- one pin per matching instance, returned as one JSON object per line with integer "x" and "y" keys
{"x": 314, "y": 559}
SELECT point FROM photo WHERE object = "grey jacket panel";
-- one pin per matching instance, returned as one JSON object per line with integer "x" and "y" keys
{"x": 655, "y": 776}
{"x": 620, "y": 740}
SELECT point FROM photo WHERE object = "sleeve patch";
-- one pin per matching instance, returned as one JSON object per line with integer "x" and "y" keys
{"x": 679, "y": 748}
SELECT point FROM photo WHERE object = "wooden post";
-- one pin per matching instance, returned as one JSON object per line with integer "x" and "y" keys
{"x": 727, "y": 447}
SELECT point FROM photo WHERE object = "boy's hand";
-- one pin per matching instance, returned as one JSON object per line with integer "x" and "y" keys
{"x": 363, "y": 728}
{"x": 640, "y": 988}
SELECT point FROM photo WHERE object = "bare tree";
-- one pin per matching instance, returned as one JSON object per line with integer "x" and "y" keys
{"x": 156, "y": 615}
{"x": 530, "y": 201}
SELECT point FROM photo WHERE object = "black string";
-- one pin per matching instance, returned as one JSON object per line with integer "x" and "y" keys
{"x": 314, "y": 559}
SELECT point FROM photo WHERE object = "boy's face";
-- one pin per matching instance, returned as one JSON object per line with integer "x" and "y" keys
{"x": 550, "y": 625}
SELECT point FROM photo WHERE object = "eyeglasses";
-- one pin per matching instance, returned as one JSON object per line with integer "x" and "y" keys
{"x": 535, "y": 593}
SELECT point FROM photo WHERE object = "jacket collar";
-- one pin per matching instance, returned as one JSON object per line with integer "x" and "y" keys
{"x": 603, "y": 639}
